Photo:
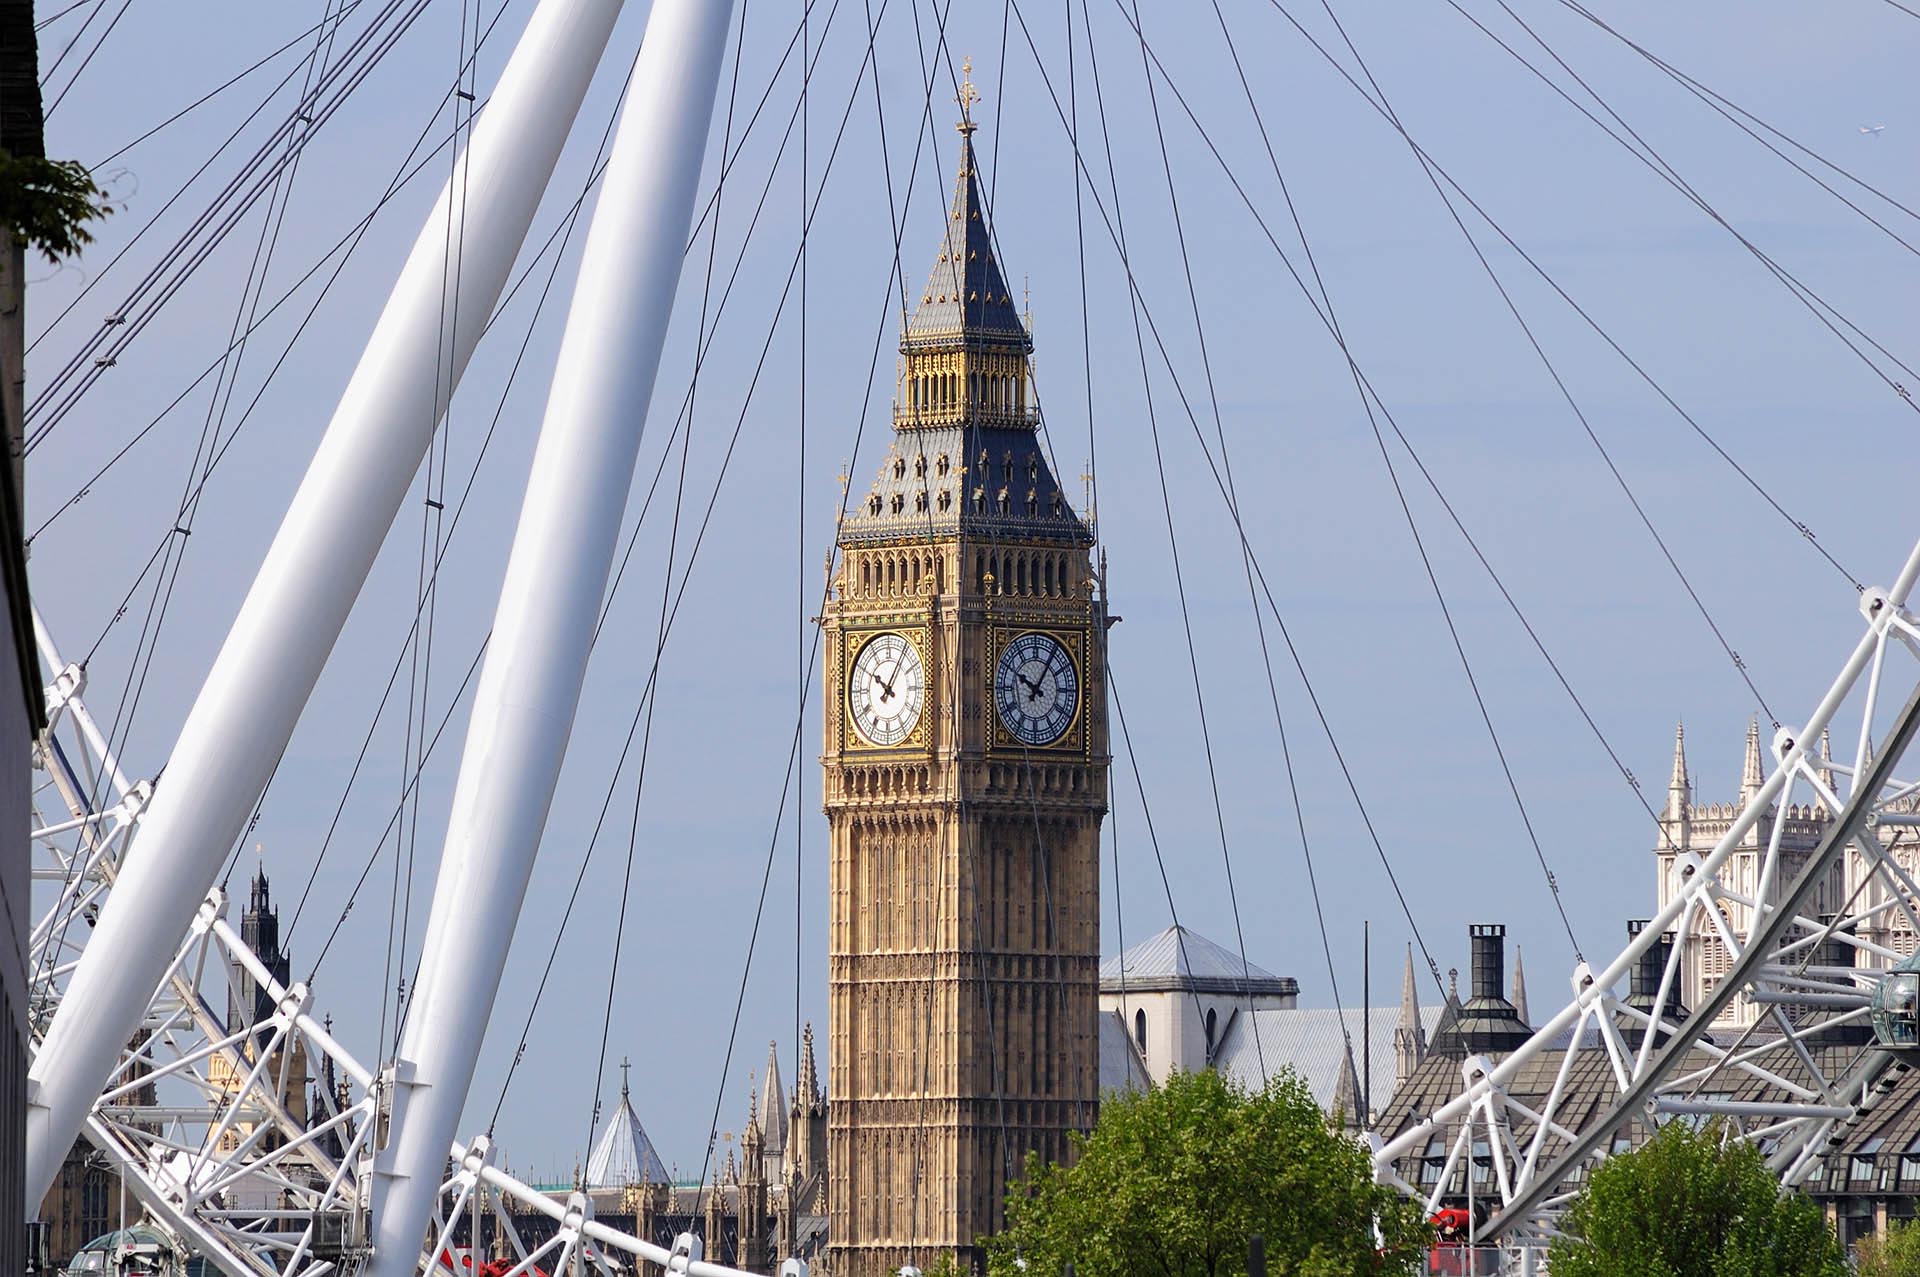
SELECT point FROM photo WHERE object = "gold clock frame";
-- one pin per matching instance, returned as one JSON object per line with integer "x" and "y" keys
{"x": 853, "y": 641}
{"x": 1003, "y": 630}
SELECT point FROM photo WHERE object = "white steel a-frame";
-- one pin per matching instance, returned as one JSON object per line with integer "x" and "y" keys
{"x": 253, "y": 696}
{"x": 556, "y": 576}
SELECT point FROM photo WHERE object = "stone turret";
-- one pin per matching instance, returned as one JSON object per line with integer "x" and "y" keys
{"x": 1751, "y": 775}
{"x": 1679, "y": 791}
{"x": 1825, "y": 771}
{"x": 775, "y": 1121}
{"x": 753, "y": 1185}
{"x": 806, "y": 1155}
{"x": 715, "y": 1221}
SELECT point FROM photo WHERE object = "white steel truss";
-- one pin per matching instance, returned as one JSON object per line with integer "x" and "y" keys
{"x": 205, "y": 1121}
{"x": 1777, "y": 1079}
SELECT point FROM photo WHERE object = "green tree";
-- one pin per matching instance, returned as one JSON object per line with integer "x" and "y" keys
{"x": 1896, "y": 1254}
{"x": 47, "y": 203}
{"x": 1173, "y": 1180}
{"x": 1689, "y": 1203}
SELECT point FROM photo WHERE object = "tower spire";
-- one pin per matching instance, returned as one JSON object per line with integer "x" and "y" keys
{"x": 1679, "y": 793}
{"x": 1751, "y": 777}
{"x": 1519, "y": 984}
{"x": 1825, "y": 770}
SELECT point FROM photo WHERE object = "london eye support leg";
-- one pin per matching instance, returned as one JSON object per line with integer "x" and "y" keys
{"x": 556, "y": 575}
{"x": 246, "y": 711}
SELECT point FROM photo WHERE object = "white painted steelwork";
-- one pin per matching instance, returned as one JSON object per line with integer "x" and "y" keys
{"x": 273, "y": 655}
{"x": 1788, "y": 1102}
{"x": 196, "y": 1126}
{"x": 556, "y": 575}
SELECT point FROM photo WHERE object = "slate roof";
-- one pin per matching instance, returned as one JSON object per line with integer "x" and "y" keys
{"x": 986, "y": 474}
{"x": 966, "y": 293}
{"x": 996, "y": 484}
{"x": 1181, "y": 960}
{"x": 1120, "y": 1066}
{"x": 1590, "y": 1090}
{"x": 1309, "y": 1041}
{"x": 624, "y": 1155}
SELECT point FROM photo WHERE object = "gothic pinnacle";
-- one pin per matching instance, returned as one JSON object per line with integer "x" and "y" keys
{"x": 1751, "y": 777}
{"x": 1679, "y": 794}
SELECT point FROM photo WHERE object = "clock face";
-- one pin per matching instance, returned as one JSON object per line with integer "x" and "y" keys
{"x": 886, "y": 689}
{"x": 1036, "y": 689}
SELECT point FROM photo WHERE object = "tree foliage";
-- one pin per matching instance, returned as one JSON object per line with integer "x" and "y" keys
{"x": 1690, "y": 1204}
{"x": 47, "y": 203}
{"x": 1172, "y": 1181}
{"x": 1895, "y": 1254}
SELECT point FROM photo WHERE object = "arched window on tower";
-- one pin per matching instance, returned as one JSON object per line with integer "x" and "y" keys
{"x": 1140, "y": 1032}
{"x": 1212, "y": 1026}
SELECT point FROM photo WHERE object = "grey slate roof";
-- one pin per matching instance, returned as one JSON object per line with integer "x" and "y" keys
{"x": 996, "y": 484}
{"x": 1181, "y": 960}
{"x": 1309, "y": 1041}
{"x": 1120, "y": 1065}
{"x": 966, "y": 291}
{"x": 985, "y": 475}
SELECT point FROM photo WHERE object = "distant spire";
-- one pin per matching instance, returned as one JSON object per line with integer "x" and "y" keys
{"x": 1679, "y": 793}
{"x": 1751, "y": 777}
{"x": 1519, "y": 984}
{"x": 807, "y": 1090}
{"x": 773, "y": 1114}
{"x": 1453, "y": 985}
{"x": 1410, "y": 1034}
{"x": 1346, "y": 1094}
{"x": 625, "y": 1090}
{"x": 1825, "y": 770}
{"x": 1410, "y": 1007}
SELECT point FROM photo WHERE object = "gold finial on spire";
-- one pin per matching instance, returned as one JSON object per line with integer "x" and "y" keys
{"x": 967, "y": 96}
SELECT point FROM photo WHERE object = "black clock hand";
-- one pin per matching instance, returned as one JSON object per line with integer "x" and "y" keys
{"x": 1033, "y": 685}
{"x": 886, "y": 684}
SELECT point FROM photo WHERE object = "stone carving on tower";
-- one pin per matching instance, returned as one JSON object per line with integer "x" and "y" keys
{"x": 965, "y": 782}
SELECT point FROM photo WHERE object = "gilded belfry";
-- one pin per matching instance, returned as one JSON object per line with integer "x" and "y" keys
{"x": 965, "y": 782}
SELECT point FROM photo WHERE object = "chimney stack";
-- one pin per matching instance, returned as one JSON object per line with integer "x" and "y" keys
{"x": 1489, "y": 960}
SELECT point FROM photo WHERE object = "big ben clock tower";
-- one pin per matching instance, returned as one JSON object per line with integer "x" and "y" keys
{"x": 965, "y": 781}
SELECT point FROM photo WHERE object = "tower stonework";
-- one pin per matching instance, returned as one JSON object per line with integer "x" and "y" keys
{"x": 964, "y": 784}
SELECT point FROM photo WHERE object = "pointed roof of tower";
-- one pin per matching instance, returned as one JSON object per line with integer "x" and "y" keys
{"x": 1679, "y": 793}
{"x": 1410, "y": 1021}
{"x": 973, "y": 464}
{"x": 1519, "y": 984}
{"x": 624, "y": 1155}
{"x": 1751, "y": 777}
{"x": 966, "y": 297}
{"x": 1825, "y": 770}
{"x": 1181, "y": 960}
{"x": 773, "y": 1114}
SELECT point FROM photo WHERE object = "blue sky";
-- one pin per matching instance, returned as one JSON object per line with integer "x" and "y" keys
{"x": 1802, "y": 414}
